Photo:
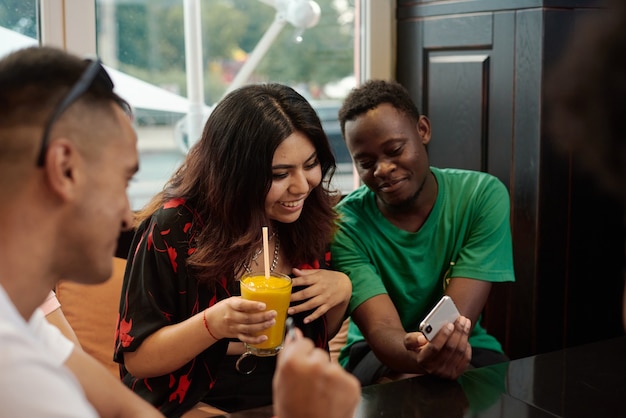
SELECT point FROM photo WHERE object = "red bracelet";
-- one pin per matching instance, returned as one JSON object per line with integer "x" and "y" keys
{"x": 206, "y": 325}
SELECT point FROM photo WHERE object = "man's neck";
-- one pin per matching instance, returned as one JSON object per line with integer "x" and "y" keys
{"x": 31, "y": 226}
{"x": 25, "y": 268}
{"x": 25, "y": 299}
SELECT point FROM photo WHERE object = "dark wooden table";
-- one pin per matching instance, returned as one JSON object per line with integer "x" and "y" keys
{"x": 584, "y": 381}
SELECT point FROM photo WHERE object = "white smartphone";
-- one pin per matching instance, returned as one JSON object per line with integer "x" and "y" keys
{"x": 445, "y": 311}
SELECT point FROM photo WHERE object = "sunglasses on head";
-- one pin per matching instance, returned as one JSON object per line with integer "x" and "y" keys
{"x": 94, "y": 73}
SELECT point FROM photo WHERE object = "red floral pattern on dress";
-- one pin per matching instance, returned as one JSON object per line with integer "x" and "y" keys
{"x": 174, "y": 203}
{"x": 171, "y": 252}
{"x": 181, "y": 390}
{"x": 123, "y": 330}
{"x": 150, "y": 242}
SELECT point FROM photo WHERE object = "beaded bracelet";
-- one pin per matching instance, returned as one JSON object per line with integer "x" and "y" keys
{"x": 206, "y": 325}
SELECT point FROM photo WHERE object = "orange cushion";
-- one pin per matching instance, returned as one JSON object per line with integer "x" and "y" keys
{"x": 92, "y": 312}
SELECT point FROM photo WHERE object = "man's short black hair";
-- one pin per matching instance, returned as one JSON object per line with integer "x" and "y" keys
{"x": 374, "y": 93}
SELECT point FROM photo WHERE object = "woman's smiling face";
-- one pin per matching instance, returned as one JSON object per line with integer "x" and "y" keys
{"x": 296, "y": 171}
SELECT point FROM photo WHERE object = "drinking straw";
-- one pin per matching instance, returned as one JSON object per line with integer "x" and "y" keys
{"x": 266, "y": 255}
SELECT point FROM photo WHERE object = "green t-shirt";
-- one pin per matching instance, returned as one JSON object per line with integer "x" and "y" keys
{"x": 467, "y": 232}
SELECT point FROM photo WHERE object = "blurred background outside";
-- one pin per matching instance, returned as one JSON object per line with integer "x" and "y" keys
{"x": 143, "y": 44}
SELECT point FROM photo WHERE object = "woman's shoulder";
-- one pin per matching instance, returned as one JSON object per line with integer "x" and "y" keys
{"x": 322, "y": 262}
{"x": 175, "y": 213}
{"x": 175, "y": 209}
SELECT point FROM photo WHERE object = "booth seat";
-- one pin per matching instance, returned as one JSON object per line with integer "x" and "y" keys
{"x": 92, "y": 310}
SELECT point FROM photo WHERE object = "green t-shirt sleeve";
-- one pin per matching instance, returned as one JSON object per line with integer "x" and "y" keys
{"x": 351, "y": 257}
{"x": 487, "y": 252}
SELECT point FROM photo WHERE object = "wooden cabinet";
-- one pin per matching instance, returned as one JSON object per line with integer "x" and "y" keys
{"x": 478, "y": 69}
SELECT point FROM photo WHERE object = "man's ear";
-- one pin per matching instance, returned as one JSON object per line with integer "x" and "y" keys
{"x": 62, "y": 167}
{"x": 423, "y": 128}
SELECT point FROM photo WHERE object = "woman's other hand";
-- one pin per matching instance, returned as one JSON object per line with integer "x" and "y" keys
{"x": 324, "y": 290}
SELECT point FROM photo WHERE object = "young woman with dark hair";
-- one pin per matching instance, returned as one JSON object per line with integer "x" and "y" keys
{"x": 263, "y": 160}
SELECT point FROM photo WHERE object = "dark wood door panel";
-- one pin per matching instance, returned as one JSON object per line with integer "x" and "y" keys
{"x": 463, "y": 32}
{"x": 457, "y": 106}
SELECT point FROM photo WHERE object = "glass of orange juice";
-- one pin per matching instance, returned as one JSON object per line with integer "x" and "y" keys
{"x": 275, "y": 292}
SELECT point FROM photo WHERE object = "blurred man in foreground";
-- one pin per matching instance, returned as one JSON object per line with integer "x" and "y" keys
{"x": 67, "y": 153}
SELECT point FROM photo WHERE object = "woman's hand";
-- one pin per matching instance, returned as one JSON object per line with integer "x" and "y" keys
{"x": 325, "y": 290}
{"x": 236, "y": 317}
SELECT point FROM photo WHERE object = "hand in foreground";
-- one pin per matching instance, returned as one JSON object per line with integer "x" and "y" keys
{"x": 308, "y": 385}
{"x": 236, "y": 317}
{"x": 448, "y": 354}
{"x": 324, "y": 290}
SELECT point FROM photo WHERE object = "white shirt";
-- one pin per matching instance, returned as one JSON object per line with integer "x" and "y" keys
{"x": 33, "y": 380}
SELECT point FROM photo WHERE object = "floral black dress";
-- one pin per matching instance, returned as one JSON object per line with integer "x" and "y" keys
{"x": 159, "y": 290}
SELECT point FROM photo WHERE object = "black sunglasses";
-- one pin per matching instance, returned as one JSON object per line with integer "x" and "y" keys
{"x": 95, "y": 72}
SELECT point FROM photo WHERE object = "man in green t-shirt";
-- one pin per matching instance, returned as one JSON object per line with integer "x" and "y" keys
{"x": 409, "y": 235}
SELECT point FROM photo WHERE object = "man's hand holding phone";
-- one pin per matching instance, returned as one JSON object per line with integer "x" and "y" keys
{"x": 442, "y": 345}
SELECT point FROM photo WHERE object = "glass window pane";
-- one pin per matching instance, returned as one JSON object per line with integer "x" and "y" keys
{"x": 144, "y": 40}
{"x": 19, "y": 25}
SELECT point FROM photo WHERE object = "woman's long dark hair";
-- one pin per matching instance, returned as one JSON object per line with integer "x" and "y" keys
{"x": 228, "y": 173}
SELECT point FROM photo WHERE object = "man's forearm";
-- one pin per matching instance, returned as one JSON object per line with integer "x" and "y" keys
{"x": 107, "y": 394}
{"x": 388, "y": 345}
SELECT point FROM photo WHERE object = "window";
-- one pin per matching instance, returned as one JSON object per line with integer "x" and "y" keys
{"x": 149, "y": 39}
{"x": 19, "y": 25}
{"x": 143, "y": 44}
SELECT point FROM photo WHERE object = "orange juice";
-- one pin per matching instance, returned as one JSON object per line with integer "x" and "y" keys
{"x": 275, "y": 292}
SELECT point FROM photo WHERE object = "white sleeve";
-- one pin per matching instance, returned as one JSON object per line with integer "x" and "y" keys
{"x": 58, "y": 346}
{"x": 34, "y": 382}
{"x": 35, "y": 388}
